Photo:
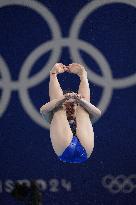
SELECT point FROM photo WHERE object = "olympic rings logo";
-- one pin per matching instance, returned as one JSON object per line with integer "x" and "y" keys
{"x": 120, "y": 183}
{"x": 24, "y": 84}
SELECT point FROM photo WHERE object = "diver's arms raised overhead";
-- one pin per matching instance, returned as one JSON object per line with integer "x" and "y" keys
{"x": 54, "y": 104}
{"x": 91, "y": 109}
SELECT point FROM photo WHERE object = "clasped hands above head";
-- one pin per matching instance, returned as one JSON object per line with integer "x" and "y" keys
{"x": 72, "y": 95}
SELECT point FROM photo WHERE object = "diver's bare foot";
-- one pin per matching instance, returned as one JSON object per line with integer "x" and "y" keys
{"x": 58, "y": 68}
{"x": 77, "y": 69}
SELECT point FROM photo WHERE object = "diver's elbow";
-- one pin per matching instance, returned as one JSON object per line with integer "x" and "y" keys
{"x": 42, "y": 109}
{"x": 99, "y": 113}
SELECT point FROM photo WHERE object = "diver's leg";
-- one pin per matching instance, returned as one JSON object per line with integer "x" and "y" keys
{"x": 84, "y": 89}
{"x": 84, "y": 129}
{"x": 55, "y": 90}
{"x": 60, "y": 131}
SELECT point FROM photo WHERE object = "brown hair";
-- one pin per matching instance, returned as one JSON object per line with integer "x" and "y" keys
{"x": 70, "y": 111}
{"x": 69, "y": 106}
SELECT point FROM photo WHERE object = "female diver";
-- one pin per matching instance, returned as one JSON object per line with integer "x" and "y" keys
{"x": 70, "y": 116}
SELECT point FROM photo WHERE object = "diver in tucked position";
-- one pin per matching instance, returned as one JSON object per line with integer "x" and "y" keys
{"x": 71, "y": 130}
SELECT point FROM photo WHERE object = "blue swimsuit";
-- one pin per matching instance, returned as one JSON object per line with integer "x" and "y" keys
{"x": 74, "y": 153}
